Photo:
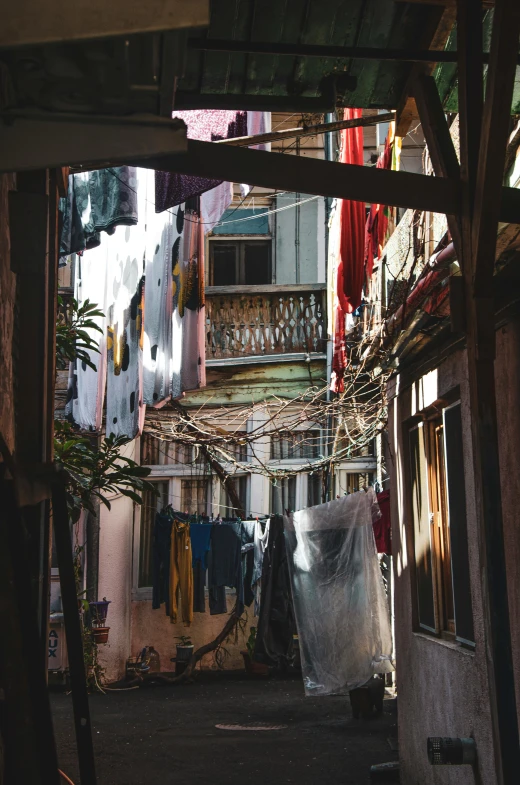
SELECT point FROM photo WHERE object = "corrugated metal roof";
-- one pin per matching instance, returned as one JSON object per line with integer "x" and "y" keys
{"x": 212, "y": 75}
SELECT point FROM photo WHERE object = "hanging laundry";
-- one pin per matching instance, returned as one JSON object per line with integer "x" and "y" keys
{"x": 225, "y": 567}
{"x": 276, "y": 626}
{"x": 86, "y": 386}
{"x": 261, "y": 538}
{"x": 213, "y": 205}
{"x": 125, "y": 300}
{"x": 247, "y": 532}
{"x": 200, "y": 535}
{"x": 352, "y": 224}
{"x": 161, "y": 257}
{"x": 257, "y": 123}
{"x": 339, "y": 598}
{"x": 97, "y": 201}
{"x": 383, "y": 526}
{"x": 181, "y": 572}
{"x": 188, "y": 355}
{"x": 161, "y": 547}
{"x": 206, "y": 125}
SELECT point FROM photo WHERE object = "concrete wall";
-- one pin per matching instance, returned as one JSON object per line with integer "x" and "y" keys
{"x": 443, "y": 689}
{"x": 300, "y": 228}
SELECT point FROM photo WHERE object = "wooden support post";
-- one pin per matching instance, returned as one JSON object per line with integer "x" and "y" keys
{"x": 73, "y": 634}
{"x": 34, "y": 368}
{"x": 439, "y": 142}
{"x": 483, "y": 148}
{"x": 30, "y": 749}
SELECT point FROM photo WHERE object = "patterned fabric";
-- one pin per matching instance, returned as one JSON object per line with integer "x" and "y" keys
{"x": 206, "y": 125}
{"x": 97, "y": 201}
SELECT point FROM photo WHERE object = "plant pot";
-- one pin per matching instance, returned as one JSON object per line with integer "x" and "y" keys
{"x": 99, "y": 610}
{"x": 100, "y": 634}
{"x": 184, "y": 653}
{"x": 254, "y": 668}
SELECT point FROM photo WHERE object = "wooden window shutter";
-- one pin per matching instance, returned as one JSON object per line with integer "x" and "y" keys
{"x": 456, "y": 492}
{"x": 421, "y": 525}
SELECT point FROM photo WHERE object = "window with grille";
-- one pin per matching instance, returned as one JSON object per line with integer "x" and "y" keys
{"x": 150, "y": 507}
{"x": 283, "y": 496}
{"x": 314, "y": 489}
{"x": 195, "y": 496}
{"x": 438, "y": 508}
{"x": 242, "y": 487}
{"x": 236, "y": 262}
{"x": 287, "y": 445}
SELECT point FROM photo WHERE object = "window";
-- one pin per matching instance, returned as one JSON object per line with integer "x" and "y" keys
{"x": 287, "y": 445}
{"x": 226, "y": 508}
{"x": 357, "y": 482}
{"x": 314, "y": 489}
{"x": 151, "y": 505}
{"x": 283, "y": 495}
{"x": 438, "y": 506}
{"x": 195, "y": 496}
{"x": 240, "y": 262}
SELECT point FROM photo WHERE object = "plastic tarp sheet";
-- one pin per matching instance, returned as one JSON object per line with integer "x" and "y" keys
{"x": 339, "y": 598}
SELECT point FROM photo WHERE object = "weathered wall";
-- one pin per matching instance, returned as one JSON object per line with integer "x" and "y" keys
{"x": 508, "y": 399}
{"x": 443, "y": 689}
{"x": 300, "y": 241}
{"x": 7, "y": 302}
{"x": 115, "y": 579}
{"x": 153, "y": 628}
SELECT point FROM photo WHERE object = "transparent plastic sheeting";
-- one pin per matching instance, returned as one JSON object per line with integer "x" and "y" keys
{"x": 339, "y": 598}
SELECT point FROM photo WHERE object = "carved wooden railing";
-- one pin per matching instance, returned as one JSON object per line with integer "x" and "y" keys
{"x": 261, "y": 320}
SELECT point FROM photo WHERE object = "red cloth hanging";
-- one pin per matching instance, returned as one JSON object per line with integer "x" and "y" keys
{"x": 351, "y": 258}
{"x": 352, "y": 224}
{"x": 383, "y": 527}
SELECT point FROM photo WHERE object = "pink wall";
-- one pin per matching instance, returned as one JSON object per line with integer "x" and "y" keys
{"x": 153, "y": 628}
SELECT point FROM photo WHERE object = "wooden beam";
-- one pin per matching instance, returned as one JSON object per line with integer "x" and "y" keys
{"x": 407, "y": 113}
{"x": 272, "y": 48}
{"x": 309, "y": 130}
{"x": 33, "y": 22}
{"x": 259, "y": 103}
{"x": 439, "y": 142}
{"x": 39, "y": 140}
{"x": 312, "y": 176}
{"x": 483, "y": 147}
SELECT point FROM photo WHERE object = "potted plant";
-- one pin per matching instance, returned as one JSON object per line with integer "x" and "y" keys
{"x": 184, "y": 652}
{"x": 253, "y": 668}
{"x": 98, "y": 614}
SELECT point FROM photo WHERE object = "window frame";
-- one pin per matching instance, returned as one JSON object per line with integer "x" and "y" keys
{"x": 240, "y": 243}
{"x": 438, "y": 576}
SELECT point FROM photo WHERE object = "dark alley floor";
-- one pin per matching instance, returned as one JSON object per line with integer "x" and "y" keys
{"x": 161, "y": 735}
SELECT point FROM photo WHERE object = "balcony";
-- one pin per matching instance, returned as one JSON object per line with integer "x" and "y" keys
{"x": 248, "y": 322}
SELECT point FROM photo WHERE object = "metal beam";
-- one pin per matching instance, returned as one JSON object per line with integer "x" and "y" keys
{"x": 409, "y": 55}
{"x": 40, "y": 141}
{"x": 312, "y": 176}
{"x": 309, "y": 130}
{"x": 33, "y": 22}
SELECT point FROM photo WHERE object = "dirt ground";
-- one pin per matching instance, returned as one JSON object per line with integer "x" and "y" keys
{"x": 162, "y": 735}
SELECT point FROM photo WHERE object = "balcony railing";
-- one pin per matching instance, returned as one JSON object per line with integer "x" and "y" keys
{"x": 248, "y": 321}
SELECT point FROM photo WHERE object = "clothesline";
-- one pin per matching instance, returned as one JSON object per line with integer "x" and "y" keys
{"x": 236, "y": 220}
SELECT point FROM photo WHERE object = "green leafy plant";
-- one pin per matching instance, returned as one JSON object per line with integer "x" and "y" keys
{"x": 185, "y": 640}
{"x": 94, "y": 472}
{"x": 73, "y": 339}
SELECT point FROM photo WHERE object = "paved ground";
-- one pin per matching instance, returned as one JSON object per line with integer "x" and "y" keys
{"x": 164, "y": 735}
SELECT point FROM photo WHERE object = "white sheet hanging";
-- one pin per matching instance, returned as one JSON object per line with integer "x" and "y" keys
{"x": 339, "y": 599}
